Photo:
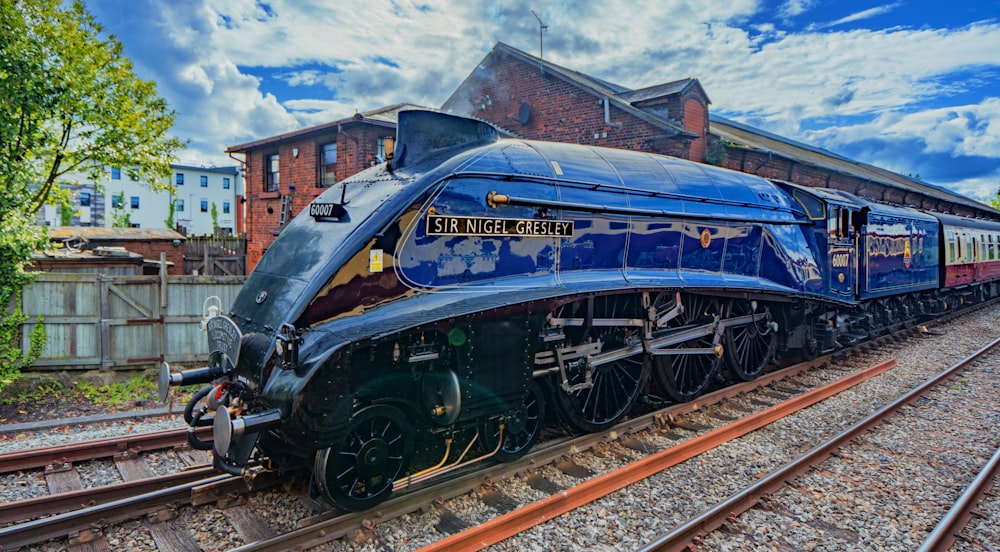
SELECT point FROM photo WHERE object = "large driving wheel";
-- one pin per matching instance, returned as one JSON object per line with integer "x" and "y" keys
{"x": 522, "y": 425}
{"x": 751, "y": 346}
{"x": 359, "y": 473}
{"x": 685, "y": 377}
{"x": 613, "y": 386}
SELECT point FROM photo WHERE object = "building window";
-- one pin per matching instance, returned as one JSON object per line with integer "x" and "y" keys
{"x": 381, "y": 149}
{"x": 179, "y": 205}
{"x": 225, "y": 183}
{"x": 84, "y": 199}
{"x": 135, "y": 202}
{"x": 204, "y": 206}
{"x": 180, "y": 179}
{"x": 116, "y": 173}
{"x": 203, "y": 180}
{"x": 271, "y": 176}
{"x": 225, "y": 207}
{"x": 328, "y": 167}
{"x": 116, "y": 202}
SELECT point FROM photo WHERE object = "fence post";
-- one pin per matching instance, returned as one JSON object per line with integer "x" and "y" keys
{"x": 103, "y": 282}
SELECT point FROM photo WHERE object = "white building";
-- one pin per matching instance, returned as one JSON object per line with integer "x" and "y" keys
{"x": 198, "y": 192}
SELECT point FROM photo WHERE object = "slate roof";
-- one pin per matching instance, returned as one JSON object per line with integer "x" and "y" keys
{"x": 660, "y": 90}
{"x": 383, "y": 116}
{"x": 763, "y": 141}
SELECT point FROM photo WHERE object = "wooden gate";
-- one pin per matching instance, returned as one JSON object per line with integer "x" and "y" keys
{"x": 215, "y": 256}
{"x": 121, "y": 322}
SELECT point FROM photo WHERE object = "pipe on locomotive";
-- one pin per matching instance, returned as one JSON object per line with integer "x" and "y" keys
{"x": 193, "y": 376}
{"x": 225, "y": 428}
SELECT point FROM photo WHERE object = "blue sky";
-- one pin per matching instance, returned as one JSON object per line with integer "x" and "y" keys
{"x": 911, "y": 86}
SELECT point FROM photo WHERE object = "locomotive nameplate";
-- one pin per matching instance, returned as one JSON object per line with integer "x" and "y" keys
{"x": 444, "y": 225}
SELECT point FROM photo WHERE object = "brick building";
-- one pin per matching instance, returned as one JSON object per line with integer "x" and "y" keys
{"x": 286, "y": 172}
{"x": 536, "y": 99}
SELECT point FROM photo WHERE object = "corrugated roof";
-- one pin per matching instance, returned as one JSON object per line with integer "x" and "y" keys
{"x": 96, "y": 233}
{"x": 763, "y": 141}
{"x": 384, "y": 116}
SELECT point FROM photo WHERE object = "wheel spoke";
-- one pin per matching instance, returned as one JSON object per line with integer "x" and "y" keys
{"x": 749, "y": 347}
{"x": 359, "y": 473}
{"x": 615, "y": 385}
{"x": 685, "y": 377}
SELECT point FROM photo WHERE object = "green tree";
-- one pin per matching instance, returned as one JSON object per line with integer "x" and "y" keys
{"x": 70, "y": 104}
{"x": 995, "y": 202}
{"x": 215, "y": 216}
{"x": 169, "y": 221}
{"x": 121, "y": 216}
{"x": 65, "y": 213}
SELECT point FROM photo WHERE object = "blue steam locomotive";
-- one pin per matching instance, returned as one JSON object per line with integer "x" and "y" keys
{"x": 427, "y": 313}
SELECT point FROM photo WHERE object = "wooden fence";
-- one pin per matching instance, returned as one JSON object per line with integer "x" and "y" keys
{"x": 207, "y": 256}
{"x": 95, "y": 321}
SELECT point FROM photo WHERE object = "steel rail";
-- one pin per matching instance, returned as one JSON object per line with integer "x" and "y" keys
{"x": 334, "y": 524}
{"x": 522, "y": 519}
{"x": 715, "y": 517}
{"x": 20, "y": 510}
{"x": 947, "y": 530}
{"x": 40, "y": 457}
{"x": 102, "y": 515}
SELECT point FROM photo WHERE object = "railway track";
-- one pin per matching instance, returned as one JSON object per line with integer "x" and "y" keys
{"x": 852, "y": 450}
{"x": 551, "y": 469}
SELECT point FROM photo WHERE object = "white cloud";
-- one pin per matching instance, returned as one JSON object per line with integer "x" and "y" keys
{"x": 793, "y": 8}
{"x": 380, "y": 52}
{"x": 860, "y": 16}
{"x": 967, "y": 130}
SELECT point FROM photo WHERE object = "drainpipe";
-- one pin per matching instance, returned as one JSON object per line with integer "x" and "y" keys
{"x": 241, "y": 202}
{"x": 607, "y": 114}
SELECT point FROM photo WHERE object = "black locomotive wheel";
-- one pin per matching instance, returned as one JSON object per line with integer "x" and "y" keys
{"x": 358, "y": 474}
{"x": 613, "y": 386}
{"x": 521, "y": 428}
{"x": 685, "y": 377}
{"x": 749, "y": 347}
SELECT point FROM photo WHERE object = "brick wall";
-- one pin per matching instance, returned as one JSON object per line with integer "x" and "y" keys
{"x": 780, "y": 168}
{"x": 558, "y": 111}
{"x": 299, "y": 177}
{"x": 695, "y": 117}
